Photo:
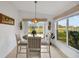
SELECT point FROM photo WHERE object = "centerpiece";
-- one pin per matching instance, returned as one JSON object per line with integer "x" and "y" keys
{"x": 34, "y": 32}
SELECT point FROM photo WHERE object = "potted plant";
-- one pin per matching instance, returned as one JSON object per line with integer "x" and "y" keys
{"x": 34, "y": 32}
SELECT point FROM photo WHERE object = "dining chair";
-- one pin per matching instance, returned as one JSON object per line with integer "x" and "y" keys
{"x": 34, "y": 45}
{"x": 46, "y": 42}
{"x": 20, "y": 43}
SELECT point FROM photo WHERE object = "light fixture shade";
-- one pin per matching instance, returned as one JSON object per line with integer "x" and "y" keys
{"x": 34, "y": 20}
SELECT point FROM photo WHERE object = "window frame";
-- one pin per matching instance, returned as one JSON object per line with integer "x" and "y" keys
{"x": 67, "y": 24}
{"x": 65, "y": 28}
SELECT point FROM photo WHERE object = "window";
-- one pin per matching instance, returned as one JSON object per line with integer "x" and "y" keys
{"x": 73, "y": 30}
{"x": 62, "y": 30}
{"x": 39, "y": 27}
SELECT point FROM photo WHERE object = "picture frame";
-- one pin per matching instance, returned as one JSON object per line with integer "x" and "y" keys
{"x": 6, "y": 20}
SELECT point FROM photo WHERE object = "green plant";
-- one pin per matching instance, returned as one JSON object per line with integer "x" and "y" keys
{"x": 33, "y": 32}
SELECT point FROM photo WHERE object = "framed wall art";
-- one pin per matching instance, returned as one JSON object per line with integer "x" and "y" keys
{"x": 6, "y": 20}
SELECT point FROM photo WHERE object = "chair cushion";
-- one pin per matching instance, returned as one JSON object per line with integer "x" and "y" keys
{"x": 23, "y": 43}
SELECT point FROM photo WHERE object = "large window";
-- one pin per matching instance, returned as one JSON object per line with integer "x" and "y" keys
{"x": 73, "y": 30}
{"x": 39, "y": 27}
{"x": 62, "y": 30}
{"x": 69, "y": 34}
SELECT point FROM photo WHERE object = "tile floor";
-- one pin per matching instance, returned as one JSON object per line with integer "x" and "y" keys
{"x": 55, "y": 53}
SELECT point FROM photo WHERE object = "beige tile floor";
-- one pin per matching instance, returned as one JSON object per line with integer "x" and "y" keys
{"x": 55, "y": 53}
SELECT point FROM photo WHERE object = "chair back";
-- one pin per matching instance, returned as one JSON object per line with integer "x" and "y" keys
{"x": 18, "y": 38}
{"x": 34, "y": 42}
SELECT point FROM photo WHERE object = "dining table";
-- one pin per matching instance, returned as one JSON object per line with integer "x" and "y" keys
{"x": 26, "y": 36}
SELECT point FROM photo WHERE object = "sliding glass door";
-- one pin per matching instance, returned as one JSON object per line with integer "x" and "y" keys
{"x": 68, "y": 31}
{"x": 73, "y": 30}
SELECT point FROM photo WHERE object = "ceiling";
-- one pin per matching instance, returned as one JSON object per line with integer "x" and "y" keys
{"x": 45, "y": 7}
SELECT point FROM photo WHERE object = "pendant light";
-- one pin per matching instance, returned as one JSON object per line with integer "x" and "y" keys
{"x": 35, "y": 20}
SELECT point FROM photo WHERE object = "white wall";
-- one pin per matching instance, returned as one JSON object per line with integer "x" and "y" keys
{"x": 7, "y": 39}
{"x": 7, "y": 32}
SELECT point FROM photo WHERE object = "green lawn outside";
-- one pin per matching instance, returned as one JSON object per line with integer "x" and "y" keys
{"x": 71, "y": 40}
{"x": 38, "y": 30}
{"x": 62, "y": 36}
